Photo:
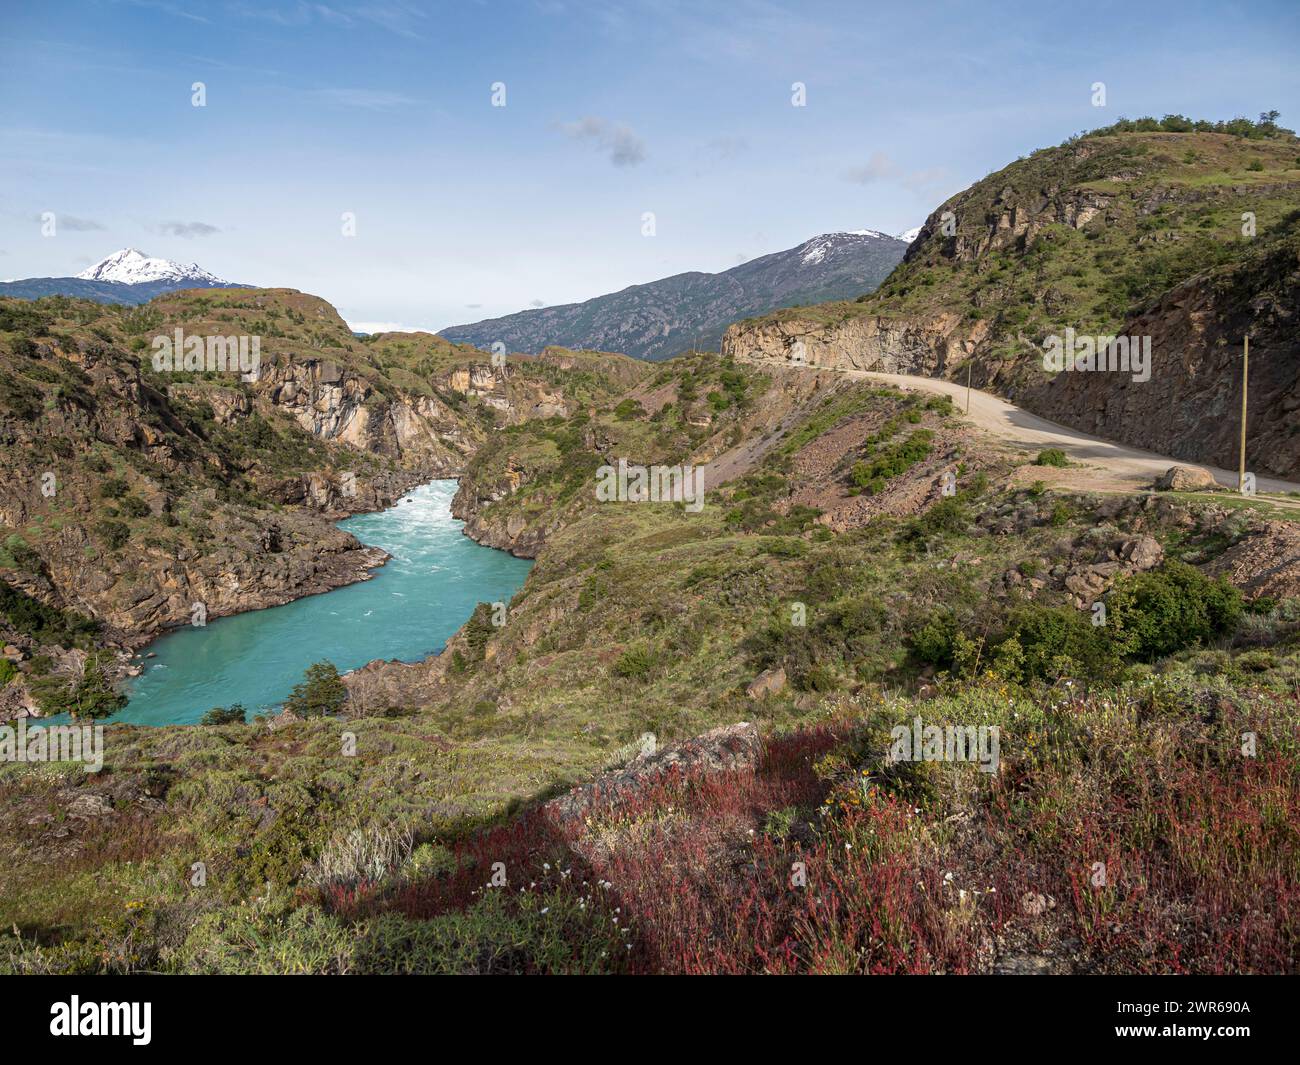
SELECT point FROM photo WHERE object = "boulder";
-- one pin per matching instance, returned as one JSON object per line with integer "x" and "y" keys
{"x": 89, "y": 805}
{"x": 769, "y": 682}
{"x": 1186, "y": 479}
{"x": 1142, "y": 553}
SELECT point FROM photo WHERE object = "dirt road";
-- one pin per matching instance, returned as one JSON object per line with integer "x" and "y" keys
{"x": 1127, "y": 467}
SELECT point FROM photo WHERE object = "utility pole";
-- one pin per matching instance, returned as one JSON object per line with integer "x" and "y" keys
{"x": 1245, "y": 377}
{"x": 968, "y": 385}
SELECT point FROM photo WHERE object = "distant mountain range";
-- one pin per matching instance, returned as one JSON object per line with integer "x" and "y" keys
{"x": 663, "y": 318}
{"x": 127, "y": 276}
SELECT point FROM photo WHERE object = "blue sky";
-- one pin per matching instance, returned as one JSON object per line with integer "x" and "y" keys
{"x": 463, "y": 210}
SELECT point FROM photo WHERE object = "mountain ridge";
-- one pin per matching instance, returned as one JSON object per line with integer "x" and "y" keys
{"x": 661, "y": 318}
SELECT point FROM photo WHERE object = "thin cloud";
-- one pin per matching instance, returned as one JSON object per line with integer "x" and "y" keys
{"x": 395, "y": 16}
{"x": 73, "y": 223}
{"x": 922, "y": 181}
{"x": 188, "y": 230}
{"x": 727, "y": 147}
{"x": 622, "y": 145}
{"x": 878, "y": 168}
{"x": 365, "y": 99}
{"x": 170, "y": 9}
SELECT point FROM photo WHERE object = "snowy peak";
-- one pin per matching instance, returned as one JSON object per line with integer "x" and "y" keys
{"x": 910, "y": 235}
{"x": 131, "y": 267}
{"x": 811, "y": 252}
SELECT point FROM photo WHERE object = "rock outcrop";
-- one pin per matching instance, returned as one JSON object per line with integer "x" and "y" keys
{"x": 725, "y": 749}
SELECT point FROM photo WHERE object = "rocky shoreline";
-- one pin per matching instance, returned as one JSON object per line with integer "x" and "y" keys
{"x": 326, "y": 567}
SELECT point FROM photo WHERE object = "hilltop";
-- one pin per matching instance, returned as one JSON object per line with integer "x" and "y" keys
{"x": 1182, "y": 234}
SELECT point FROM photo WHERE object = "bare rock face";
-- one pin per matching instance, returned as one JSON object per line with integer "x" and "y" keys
{"x": 334, "y": 403}
{"x": 728, "y": 748}
{"x": 927, "y": 346}
{"x": 1186, "y": 479}
{"x": 1264, "y": 564}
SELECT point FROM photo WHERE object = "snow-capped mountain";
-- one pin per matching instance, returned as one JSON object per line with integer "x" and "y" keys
{"x": 849, "y": 242}
{"x": 910, "y": 235}
{"x": 127, "y": 277}
{"x": 131, "y": 267}
{"x": 663, "y": 318}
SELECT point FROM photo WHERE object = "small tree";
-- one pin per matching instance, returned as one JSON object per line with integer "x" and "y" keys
{"x": 320, "y": 692}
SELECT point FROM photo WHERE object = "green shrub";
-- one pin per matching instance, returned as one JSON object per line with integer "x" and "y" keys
{"x": 17, "y": 554}
{"x": 1052, "y": 456}
{"x": 1167, "y": 609}
{"x": 115, "y": 534}
{"x": 1058, "y": 640}
{"x": 43, "y": 623}
{"x": 873, "y": 474}
{"x": 933, "y": 642}
{"x": 635, "y": 663}
{"x": 949, "y": 515}
{"x": 7, "y": 671}
{"x": 222, "y": 715}
{"x": 784, "y": 547}
{"x": 320, "y": 692}
{"x": 818, "y": 677}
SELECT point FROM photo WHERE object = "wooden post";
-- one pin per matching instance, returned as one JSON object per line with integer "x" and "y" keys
{"x": 1245, "y": 377}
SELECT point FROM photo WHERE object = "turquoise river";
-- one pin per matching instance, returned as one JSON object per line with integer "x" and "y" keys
{"x": 407, "y": 610}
